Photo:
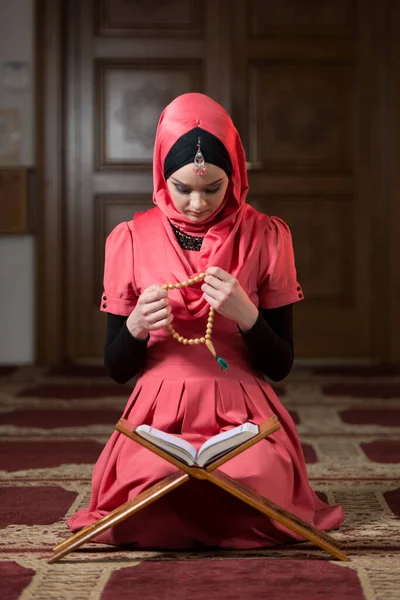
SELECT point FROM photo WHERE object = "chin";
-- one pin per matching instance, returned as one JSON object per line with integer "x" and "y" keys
{"x": 197, "y": 218}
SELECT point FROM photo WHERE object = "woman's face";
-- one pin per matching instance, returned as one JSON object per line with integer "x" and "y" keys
{"x": 198, "y": 197}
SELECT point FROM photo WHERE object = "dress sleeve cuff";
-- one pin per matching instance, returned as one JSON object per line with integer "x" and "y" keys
{"x": 275, "y": 299}
{"x": 117, "y": 306}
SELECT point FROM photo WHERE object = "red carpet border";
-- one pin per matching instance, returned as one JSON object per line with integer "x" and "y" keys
{"x": 53, "y": 424}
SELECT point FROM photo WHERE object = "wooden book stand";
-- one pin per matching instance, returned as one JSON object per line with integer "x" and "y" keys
{"x": 208, "y": 473}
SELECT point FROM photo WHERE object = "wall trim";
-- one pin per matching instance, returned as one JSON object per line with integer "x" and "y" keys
{"x": 50, "y": 296}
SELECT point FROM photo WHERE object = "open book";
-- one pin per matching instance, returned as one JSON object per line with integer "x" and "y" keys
{"x": 212, "y": 449}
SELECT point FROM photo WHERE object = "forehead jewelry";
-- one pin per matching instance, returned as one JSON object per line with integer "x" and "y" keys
{"x": 210, "y": 322}
{"x": 199, "y": 166}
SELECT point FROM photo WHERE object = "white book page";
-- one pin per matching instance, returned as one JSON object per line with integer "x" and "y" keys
{"x": 225, "y": 441}
{"x": 167, "y": 441}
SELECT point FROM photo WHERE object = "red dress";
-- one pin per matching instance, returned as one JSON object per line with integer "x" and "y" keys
{"x": 183, "y": 391}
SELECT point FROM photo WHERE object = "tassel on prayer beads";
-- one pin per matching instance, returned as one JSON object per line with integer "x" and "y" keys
{"x": 206, "y": 340}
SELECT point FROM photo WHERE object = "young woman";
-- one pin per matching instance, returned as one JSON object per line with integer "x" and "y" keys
{"x": 201, "y": 224}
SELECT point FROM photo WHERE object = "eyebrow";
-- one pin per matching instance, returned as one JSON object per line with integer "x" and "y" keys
{"x": 208, "y": 184}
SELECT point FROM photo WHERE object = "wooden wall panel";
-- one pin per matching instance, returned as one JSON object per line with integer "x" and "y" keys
{"x": 297, "y": 18}
{"x": 15, "y": 200}
{"x": 131, "y": 96}
{"x": 301, "y": 116}
{"x": 302, "y": 103}
{"x": 392, "y": 181}
{"x": 147, "y": 18}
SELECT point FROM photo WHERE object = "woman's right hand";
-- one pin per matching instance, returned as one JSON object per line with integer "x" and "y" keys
{"x": 152, "y": 312}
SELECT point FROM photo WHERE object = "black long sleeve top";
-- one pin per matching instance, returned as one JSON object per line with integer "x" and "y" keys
{"x": 269, "y": 344}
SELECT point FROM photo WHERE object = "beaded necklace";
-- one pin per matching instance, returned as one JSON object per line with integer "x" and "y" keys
{"x": 186, "y": 241}
{"x": 210, "y": 322}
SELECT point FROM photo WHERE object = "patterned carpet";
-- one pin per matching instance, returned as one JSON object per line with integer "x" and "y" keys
{"x": 53, "y": 425}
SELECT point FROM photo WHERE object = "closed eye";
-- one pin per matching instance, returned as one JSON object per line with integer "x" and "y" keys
{"x": 184, "y": 190}
{"x": 181, "y": 189}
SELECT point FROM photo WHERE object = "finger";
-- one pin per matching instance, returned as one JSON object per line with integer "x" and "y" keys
{"x": 153, "y": 288}
{"x": 214, "y": 282}
{"x": 219, "y": 273}
{"x": 153, "y": 293}
{"x": 159, "y": 315}
{"x": 211, "y": 291}
{"x": 152, "y": 307}
{"x": 211, "y": 301}
{"x": 161, "y": 323}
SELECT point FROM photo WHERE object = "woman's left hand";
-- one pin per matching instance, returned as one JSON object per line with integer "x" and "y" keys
{"x": 224, "y": 293}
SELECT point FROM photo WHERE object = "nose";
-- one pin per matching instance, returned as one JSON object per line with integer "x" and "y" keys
{"x": 196, "y": 201}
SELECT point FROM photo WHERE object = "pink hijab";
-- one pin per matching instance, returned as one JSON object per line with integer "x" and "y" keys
{"x": 183, "y": 114}
{"x": 229, "y": 234}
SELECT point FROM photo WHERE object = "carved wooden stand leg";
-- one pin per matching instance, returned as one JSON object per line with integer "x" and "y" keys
{"x": 275, "y": 512}
{"x": 118, "y": 515}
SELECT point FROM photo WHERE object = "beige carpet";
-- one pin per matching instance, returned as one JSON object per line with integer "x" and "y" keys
{"x": 53, "y": 426}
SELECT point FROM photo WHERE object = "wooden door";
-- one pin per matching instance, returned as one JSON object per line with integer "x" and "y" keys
{"x": 301, "y": 79}
{"x": 126, "y": 60}
{"x": 303, "y": 96}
